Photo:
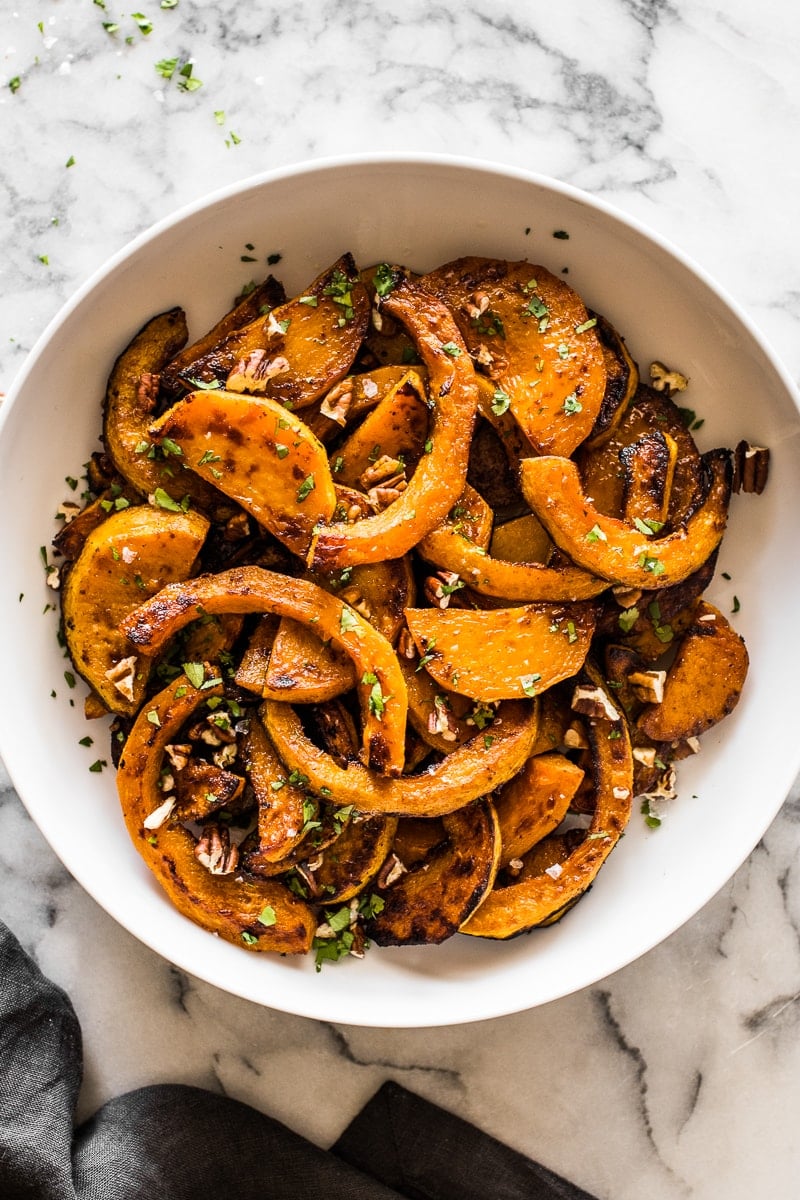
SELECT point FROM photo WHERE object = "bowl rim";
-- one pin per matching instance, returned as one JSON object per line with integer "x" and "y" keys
{"x": 8, "y": 750}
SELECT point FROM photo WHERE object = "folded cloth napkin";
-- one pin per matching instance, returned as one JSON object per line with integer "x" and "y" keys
{"x": 171, "y": 1142}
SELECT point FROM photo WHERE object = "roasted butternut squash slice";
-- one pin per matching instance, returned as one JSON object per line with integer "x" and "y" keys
{"x": 259, "y": 454}
{"x": 531, "y": 334}
{"x": 299, "y": 350}
{"x": 503, "y": 653}
{"x": 415, "y": 837}
{"x": 649, "y": 469}
{"x": 622, "y": 380}
{"x": 438, "y": 717}
{"x": 303, "y": 669}
{"x": 129, "y": 407}
{"x": 430, "y": 902}
{"x": 395, "y": 430}
{"x": 263, "y": 916}
{"x": 472, "y": 770}
{"x": 251, "y": 672}
{"x": 439, "y": 478}
{"x": 349, "y": 864}
{"x": 349, "y": 400}
{"x": 126, "y": 559}
{"x": 704, "y": 683}
{"x": 601, "y": 469}
{"x": 534, "y": 901}
{"x": 284, "y": 804}
{"x": 522, "y": 540}
{"x": 534, "y": 802}
{"x": 446, "y": 549}
{"x": 613, "y": 549}
{"x": 248, "y": 308}
{"x": 381, "y": 688}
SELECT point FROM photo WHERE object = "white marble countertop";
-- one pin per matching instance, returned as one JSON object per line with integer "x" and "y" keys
{"x": 679, "y": 1076}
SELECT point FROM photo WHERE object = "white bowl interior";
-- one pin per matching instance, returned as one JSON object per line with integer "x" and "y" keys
{"x": 422, "y": 213}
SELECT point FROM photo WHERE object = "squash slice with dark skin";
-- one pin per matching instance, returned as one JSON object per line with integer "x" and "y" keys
{"x": 247, "y": 308}
{"x": 349, "y": 400}
{"x": 298, "y": 351}
{"x": 126, "y": 559}
{"x": 254, "y": 663}
{"x": 395, "y": 430}
{"x": 354, "y": 859}
{"x": 439, "y": 478}
{"x": 503, "y": 653}
{"x": 534, "y": 802}
{"x": 283, "y": 806}
{"x": 263, "y": 457}
{"x": 381, "y": 688}
{"x": 704, "y": 683}
{"x": 261, "y": 916}
{"x": 472, "y": 770}
{"x": 600, "y": 464}
{"x": 622, "y": 380}
{"x": 616, "y": 550}
{"x": 531, "y": 334}
{"x": 429, "y": 903}
{"x": 507, "y": 911}
{"x": 128, "y": 410}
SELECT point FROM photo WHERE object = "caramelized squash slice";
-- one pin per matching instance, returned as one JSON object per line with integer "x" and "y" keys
{"x": 439, "y": 478}
{"x": 622, "y": 380}
{"x": 351, "y": 399}
{"x": 502, "y": 653}
{"x": 649, "y": 469}
{"x": 128, "y": 409}
{"x": 431, "y": 901}
{"x": 257, "y": 453}
{"x": 283, "y": 806}
{"x": 247, "y": 308}
{"x": 396, "y": 429}
{"x": 534, "y": 802}
{"x": 381, "y": 688}
{"x": 704, "y": 683}
{"x": 539, "y": 899}
{"x": 126, "y": 559}
{"x": 299, "y": 350}
{"x": 303, "y": 669}
{"x": 613, "y": 549}
{"x": 354, "y": 859}
{"x": 263, "y": 916}
{"x": 533, "y": 337}
{"x": 472, "y": 770}
{"x": 446, "y": 549}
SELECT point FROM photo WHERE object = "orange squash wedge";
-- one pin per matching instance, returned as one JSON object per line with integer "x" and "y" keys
{"x": 381, "y": 688}
{"x": 616, "y": 550}
{"x": 260, "y": 916}
{"x": 439, "y": 478}
{"x": 472, "y": 770}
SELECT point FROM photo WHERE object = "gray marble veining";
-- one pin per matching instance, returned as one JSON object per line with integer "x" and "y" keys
{"x": 679, "y": 1076}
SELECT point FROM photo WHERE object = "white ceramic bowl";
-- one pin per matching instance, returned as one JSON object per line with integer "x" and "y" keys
{"x": 421, "y": 212}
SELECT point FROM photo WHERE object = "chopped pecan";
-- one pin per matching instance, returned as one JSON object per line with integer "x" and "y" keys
{"x": 648, "y": 685}
{"x": 438, "y": 588}
{"x": 147, "y": 391}
{"x": 336, "y": 404}
{"x": 215, "y": 851}
{"x": 123, "y": 675}
{"x": 385, "y": 470}
{"x": 666, "y": 380}
{"x": 593, "y": 702}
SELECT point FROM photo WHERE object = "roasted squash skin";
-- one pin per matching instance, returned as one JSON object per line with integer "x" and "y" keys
{"x": 507, "y": 911}
{"x": 126, "y": 559}
{"x": 129, "y": 407}
{"x": 555, "y": 394}
{"x": 440, "y": 475}
{"x": 432, "y": 900}
{"x": 618, "y": 551}
{"x": 381, "y": 688}
{"x": 228, "y": 905}
{"x": 472, "y": 770}
{"x": 299, "y": 350}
